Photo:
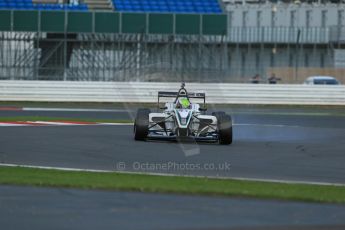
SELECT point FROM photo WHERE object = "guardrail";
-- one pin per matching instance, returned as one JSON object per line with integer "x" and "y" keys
{"x": 217, "y": 93}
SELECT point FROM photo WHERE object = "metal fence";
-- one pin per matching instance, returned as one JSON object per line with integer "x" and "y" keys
{"x": 144, "y": 57}
{"x": 280, "y": 35}
{"x": 104, "y": 57}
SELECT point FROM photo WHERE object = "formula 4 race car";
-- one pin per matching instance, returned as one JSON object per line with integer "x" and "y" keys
{"x": 182, "y": 120}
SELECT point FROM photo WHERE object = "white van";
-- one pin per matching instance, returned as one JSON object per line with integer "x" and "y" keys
{"x": 321, "y": 80}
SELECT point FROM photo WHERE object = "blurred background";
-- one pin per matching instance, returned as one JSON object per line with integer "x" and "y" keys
{"x": 159, "y": 40}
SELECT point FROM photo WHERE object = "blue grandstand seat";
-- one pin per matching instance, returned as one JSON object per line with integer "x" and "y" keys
{"x": 168, "y": 6}
{"x": 28, "y": 5}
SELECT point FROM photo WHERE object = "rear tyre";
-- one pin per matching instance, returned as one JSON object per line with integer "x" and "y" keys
{"x": 224, "y": 124}
{"x": 141, "y": 124}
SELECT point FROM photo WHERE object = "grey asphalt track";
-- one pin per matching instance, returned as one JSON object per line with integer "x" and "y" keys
{"x": 281, "y": 144}
{"x": 328, "y": 118}
{"x": 51, "y": 208}
{"x": 273, "y": 146}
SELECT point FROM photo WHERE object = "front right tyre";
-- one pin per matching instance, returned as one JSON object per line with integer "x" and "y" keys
{"x": 224, "y": 125}
{"x": 141, "y": 124}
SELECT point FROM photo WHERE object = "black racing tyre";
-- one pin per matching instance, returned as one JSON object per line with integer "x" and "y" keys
{"x": 224, "y": 123}
{"x": 216, "y": 114}
{"x": 141, "y": 124}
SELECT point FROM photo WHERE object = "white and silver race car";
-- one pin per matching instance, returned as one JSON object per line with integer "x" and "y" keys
{"x": 182, "y": 120}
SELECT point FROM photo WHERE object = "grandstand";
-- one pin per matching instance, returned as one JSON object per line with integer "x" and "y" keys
{"x": 160, "y": 6}
{"x": 41, "y": 5}
{"x": 166, "y": 6}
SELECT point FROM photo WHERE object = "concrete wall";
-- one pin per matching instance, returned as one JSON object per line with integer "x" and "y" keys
{"x": 286, "y": 15}
{"x": 67, "y": 91}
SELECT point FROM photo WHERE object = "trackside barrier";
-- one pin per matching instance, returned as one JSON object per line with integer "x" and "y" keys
{"x": 216, "y": 93}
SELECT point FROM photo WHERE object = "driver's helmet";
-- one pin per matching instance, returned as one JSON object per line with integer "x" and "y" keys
{"x": 183, "y": 103}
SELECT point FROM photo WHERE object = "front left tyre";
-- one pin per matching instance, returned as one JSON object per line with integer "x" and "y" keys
{"x": 141, "y": 124}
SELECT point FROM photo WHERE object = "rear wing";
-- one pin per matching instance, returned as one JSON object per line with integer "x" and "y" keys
{"x": 176, "y": 94}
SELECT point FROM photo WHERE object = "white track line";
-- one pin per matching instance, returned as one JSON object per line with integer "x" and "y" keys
{"x": 73, "y": 110}
{"x": 116, "y": 124}
{"x": 128, "y": 110}
{"x": 12, "y": 125}
{"x": 57, "y": 123}
{"x": 269, "y": 125}
{"x": 40, "y": 124}
{"x": 52, "y": 123}
{"x": 55, "y": 168}
{"x": 175, "y": 175}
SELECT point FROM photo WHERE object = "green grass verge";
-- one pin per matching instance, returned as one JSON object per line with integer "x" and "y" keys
{"x": 180, "y": 185}
{"x": 41, "y": 118}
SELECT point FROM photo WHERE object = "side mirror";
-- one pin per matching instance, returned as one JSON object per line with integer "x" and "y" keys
{"x": 202, "y": 109}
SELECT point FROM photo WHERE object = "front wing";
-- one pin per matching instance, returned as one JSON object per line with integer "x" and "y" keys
{"x": 162, "y": 127}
